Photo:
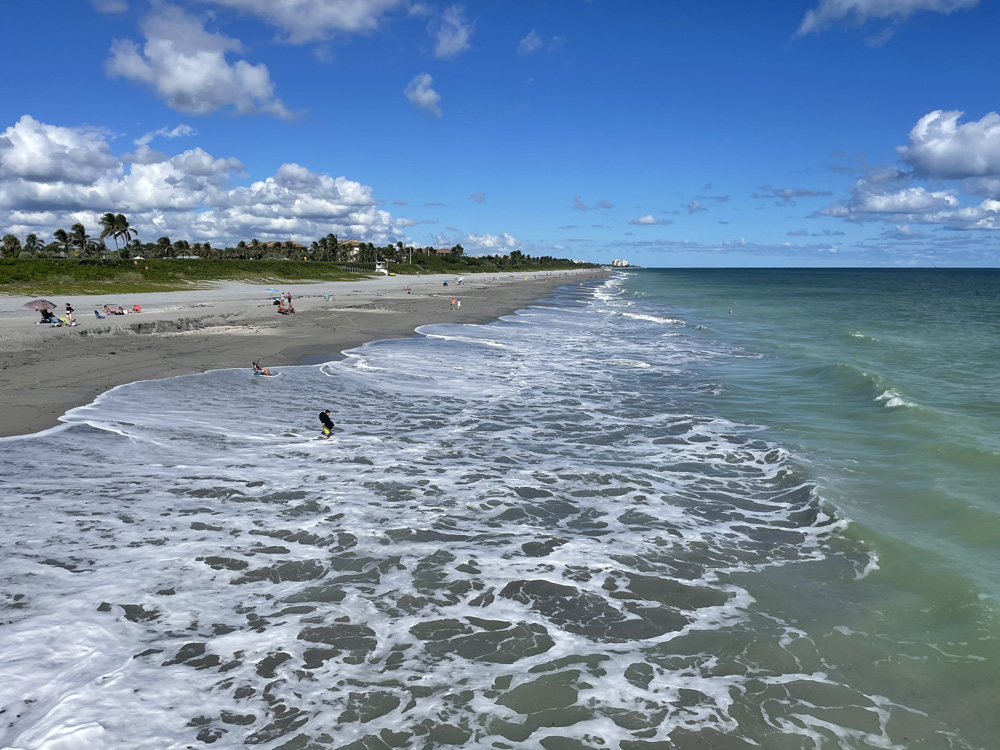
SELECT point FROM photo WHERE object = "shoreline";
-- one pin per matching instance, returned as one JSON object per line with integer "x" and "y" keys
{"x": 45, "y": 371}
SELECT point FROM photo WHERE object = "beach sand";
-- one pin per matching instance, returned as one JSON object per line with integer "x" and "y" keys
{"x": 46, "y": 371}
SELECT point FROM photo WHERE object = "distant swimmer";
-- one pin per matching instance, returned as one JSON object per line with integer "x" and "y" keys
{"x": 324, "y": 417}
{"x": 258, "y": 370}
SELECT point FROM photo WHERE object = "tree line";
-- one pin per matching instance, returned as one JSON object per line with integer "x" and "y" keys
{"x": 77, "y": 242}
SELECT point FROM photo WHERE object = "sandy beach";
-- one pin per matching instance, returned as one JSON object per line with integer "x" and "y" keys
{"x": 46, "y": 371}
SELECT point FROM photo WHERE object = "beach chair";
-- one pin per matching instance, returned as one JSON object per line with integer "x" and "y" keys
{"x": 99, "y": 316}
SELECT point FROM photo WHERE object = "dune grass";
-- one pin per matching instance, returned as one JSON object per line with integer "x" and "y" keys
{"x": 68, "y": 277}
{"x": 63, "y": 277}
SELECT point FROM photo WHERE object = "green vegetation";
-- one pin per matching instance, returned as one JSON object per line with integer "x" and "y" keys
{"x": 77, "y": 263}
{"x": 39, "y": 276}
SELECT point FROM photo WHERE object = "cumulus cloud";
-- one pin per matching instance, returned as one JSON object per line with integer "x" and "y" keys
{"x": 491, "y": 243}
{"x": 186, "y": 66}
{"x": 940, "y": 148}
{"x": 453, "y": 33}
{"x": 695, "y": 206}
{"x": 312, "y": 20}
{"x": 531, "y": 43}
{"x": 647, "y": 220}
{"x": 36, "y": 152}
{"x": 888, "y": 195}
{"x": 858, "y": 12}
{"x": 422, "y": 95}
{"x": 53, "y": 176}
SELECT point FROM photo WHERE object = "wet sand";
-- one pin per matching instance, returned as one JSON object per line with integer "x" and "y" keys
{"x": 46, "y": 371}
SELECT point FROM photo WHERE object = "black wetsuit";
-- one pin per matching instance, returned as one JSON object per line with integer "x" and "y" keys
{"x": 327, "y": 422}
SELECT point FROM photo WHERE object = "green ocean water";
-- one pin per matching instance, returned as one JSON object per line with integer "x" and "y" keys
{"x": 884, "y": 384}
{"x": 624, "y": 519}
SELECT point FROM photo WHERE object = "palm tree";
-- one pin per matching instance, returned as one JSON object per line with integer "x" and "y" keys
{"x": 62, "y": 239}
{"x": 109, "y": 228}
{"x": 79, "y": 238}
{"x": 11, "y": 244}
{"x": 31, "y": 242}
{"x": 117, "y": 227}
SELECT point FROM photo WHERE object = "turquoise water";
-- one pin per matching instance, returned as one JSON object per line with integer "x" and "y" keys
{"x": 626, "y": 519}
{"x": 884, "y": 384}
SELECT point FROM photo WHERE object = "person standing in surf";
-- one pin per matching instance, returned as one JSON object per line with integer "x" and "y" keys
{"x": 324, "y": 417}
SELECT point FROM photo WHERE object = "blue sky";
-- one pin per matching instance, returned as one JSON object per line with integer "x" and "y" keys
{"x": 814, "y": 133}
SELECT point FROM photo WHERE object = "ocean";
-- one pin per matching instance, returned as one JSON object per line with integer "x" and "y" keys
{"x": 672, "y": 509}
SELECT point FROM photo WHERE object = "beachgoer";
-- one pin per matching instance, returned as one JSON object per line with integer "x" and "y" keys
{"x": 261, "y": 370}
{"x": 69, "y": 312}
{"x": 458, "y": 304}
{"x": 324, "y": 418}
{"x": 289, "y": 299}
{"x": 452, "y": 303}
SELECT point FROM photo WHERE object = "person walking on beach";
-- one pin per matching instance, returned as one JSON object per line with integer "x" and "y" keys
{"x": 69, "y": 312}
{"x": 324, "y": 418}
{"x": 458, "y": 304}
{"x": 452, "y": 303}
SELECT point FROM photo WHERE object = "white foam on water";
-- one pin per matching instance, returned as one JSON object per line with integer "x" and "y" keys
{"x": 502, "y": 544}
{"x": 892, "y": 400}
{"x": 654, "y": 318}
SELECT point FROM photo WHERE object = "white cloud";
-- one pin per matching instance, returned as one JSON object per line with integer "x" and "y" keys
{"x": 648, "y": 219}
{"x": 940, "y": 148}
{"x": 424, "y": 97}
{"x": 695, "y": 206}
{"x": 491, "y": 243}
{"x": 181, "y": 131}
{"x": 453, "y": 33}
{"x": 40, "y": 153}
{"x": 829, "y": 12}
{"x": 913, "y": 201}
{"x": 186, "y": 66}
{"x": 312, "y": 20}
{"x": 478, "y": 197}
{"x": 74, "y": 177}
{"x": 531, "y": 43}
{"x": 984, "y": 216}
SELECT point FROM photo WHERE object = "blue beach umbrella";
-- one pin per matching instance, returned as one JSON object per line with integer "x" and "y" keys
{"x": 275, "y": 291}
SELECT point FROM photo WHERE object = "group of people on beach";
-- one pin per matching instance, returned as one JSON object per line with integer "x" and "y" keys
{"x": 284, "y": 309}
{"x": 50, "y": 318}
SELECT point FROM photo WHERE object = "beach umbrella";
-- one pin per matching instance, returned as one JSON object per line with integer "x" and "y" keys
{"x": 273, "y": 291}
{"x": 40, "y": 304}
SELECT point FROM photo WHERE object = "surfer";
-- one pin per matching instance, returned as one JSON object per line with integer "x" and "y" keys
{"x": 258, "y": 370}
{"x": 324, "y": 417}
